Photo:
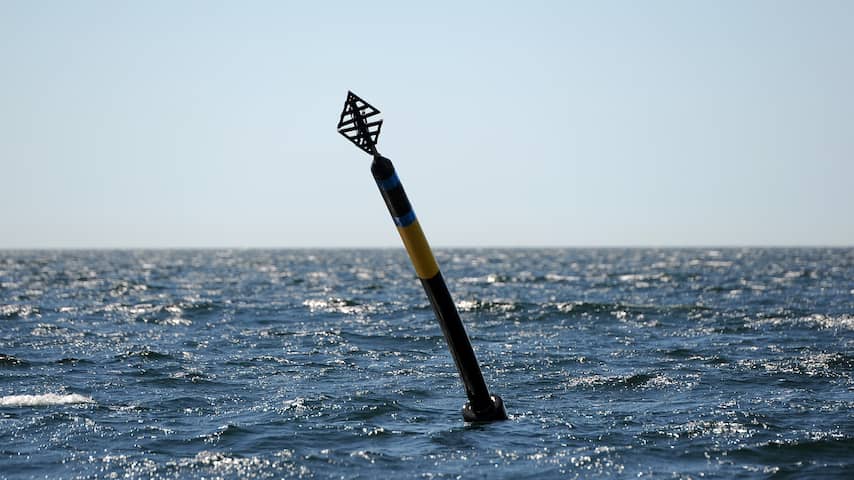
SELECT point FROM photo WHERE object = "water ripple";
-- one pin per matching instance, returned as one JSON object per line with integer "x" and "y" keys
{"x": 624, "y": 363}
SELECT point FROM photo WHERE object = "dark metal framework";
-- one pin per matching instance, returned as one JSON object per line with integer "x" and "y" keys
{"x": 355, "y": 126}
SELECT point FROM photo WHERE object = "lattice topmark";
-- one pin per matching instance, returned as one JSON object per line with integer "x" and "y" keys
{"x": 355, "y": 126}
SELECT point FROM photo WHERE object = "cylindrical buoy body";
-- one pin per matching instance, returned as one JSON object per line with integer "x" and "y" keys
{"x": 481, "y": 406}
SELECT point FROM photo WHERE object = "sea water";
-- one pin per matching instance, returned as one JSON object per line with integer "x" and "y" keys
{"x": 621, "y": 363}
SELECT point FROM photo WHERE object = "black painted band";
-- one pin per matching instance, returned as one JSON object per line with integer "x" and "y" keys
{"x": 458, "y": 341}
{"x": 395, "y": 198}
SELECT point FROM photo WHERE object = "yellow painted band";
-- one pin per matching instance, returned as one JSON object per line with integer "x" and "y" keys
{"x": 419, "y": 250}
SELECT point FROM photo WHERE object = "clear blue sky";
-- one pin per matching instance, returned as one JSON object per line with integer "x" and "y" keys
{"x": 207, "y": 124}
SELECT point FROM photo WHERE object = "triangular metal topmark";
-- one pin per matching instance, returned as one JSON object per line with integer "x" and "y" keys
{"x": 355, "y": 126}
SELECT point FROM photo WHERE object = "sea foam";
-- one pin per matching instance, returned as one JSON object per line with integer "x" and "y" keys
{"x": 43, "y": 400}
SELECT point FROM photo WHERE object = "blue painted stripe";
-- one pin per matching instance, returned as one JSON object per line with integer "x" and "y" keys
{"x": 405, "y": 220}
{"x": 389, "y": 183}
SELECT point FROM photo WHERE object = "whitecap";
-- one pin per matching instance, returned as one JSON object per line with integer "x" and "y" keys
{"x": 338, "y": 305}
{"x": 43, "y": 400}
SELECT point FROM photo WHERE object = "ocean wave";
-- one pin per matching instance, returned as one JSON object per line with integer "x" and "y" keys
{"x": 144, "y": 353}
{"x": 11, "y": 312}
{"x": 828, "y": 321}
{"x": 822, "y": 444}
{"x": 45, "y": 399}
{"x": 49, "y": 330}
{"x": 643, "y": 280}
{"x": 819, "y": 364}
{"x": 304, "y": 407}
{"x": 701, "y": 428}
{"x": 488, "y": 306}
{"x": 338, "y": 305}
{"x": 521, "y": 277}
{"x": 634, "y": 381}
{"x": 11, "y": 361}
{"x": 180, "y": 313}
{"x": 617, "y": 309}
{"x": 692, "y": 355}
{"x": 211, "y": 464}
{"x": 816, "y": 320}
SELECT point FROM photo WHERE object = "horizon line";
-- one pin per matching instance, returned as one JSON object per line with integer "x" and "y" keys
{"x": 442, "y": 247}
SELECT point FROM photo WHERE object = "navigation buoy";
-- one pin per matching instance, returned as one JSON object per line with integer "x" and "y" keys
{"x": 359, "y": 124}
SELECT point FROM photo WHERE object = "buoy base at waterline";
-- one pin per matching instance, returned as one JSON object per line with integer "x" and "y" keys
{"x": 494, "y": 411}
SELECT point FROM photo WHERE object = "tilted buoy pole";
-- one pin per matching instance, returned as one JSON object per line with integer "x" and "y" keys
{"x": 356, "y": 124}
